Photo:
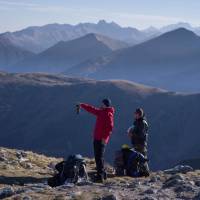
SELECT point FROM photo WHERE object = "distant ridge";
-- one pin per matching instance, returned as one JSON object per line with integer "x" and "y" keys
{"x": 40, "y": 38}
{"x": 156, "y": 62}
{"x": 66, "y": 54}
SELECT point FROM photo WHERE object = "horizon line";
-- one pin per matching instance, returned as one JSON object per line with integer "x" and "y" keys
{"x": 102, "y": 20}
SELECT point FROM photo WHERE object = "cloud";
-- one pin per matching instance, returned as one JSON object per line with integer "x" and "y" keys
{"x": 51, "y": 9}
{"x": 140, "y": 21}
{"x": 16, "y": 3}
{"x": 30, "y": 6}
{"x": 60, "y": 13}
{"x": 86, "y": 13}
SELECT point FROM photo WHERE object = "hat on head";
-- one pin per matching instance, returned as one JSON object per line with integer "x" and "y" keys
{"x": 107, "y": 102}
{"x": 140, "y": 111}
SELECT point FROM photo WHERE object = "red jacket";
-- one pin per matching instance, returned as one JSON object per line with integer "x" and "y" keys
{"x": 104, "y": 123}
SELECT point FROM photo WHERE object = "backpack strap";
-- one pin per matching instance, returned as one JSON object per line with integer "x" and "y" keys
{"x": 146, "y": 124}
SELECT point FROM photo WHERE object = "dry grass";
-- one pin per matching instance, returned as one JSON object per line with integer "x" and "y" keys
{"x": 13, "y": 166}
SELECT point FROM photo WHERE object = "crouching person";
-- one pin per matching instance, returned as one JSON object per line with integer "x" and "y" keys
{"x": 102, "y": 132}
{"x": 138, "y": 134}
{"x": 129, "y": 162}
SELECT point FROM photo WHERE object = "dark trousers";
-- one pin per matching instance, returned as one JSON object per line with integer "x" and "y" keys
{"x": 99, "y": 150}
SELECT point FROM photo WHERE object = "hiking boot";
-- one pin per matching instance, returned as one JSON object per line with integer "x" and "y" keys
{"x": 99, "y": 178}
{"x": 105, "y": 176}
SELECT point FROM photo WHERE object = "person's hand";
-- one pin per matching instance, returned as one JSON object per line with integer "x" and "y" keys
{"x": 78, "y": 107}
{"x": 78, "y": 104}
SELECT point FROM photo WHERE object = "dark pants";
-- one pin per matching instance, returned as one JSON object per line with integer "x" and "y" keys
{"x": 99, "y": 150}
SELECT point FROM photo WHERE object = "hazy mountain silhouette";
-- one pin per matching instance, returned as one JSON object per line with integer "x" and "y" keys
{"x": 193, "y": 162}
{"x": 66, "y": 54}
{"x": 10, "y": 54}
{"x": 39, "y": 38}
{"x": 170, "y": 61}
{"x": 37, "y": 112}
{"x": 172, "y": 27}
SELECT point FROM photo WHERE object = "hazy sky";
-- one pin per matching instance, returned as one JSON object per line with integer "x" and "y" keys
{"x": 17, "y": 14}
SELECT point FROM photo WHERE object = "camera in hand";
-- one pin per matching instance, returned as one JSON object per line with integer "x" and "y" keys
{"x": 78, "y": 109}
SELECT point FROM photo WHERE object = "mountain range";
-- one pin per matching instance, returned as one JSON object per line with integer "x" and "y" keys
{"x": 37, "y": 112}
{"x": 38, "y": 39}
{"x": 170, "y": 61}
{"x": 63, "y": 55}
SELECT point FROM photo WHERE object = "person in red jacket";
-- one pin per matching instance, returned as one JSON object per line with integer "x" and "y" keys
{"x": 102, "y": 132}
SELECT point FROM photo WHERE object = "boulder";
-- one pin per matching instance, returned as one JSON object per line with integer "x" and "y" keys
{"x": 179, "y": 169}
{"x": 197, "y": 197}
{"x": 109, "y": 197}
{"x": 3, "y": 157}
{"x": 149, "y": 198}
{"x": 27, "y": 198}
{"x": 150, "y": 191}
{"x": 184, "y": 188}
{"x": 172, "y": 183}
{"x": 6, "y": 192}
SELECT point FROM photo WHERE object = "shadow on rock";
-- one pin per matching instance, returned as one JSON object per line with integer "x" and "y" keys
{"x": 20, "y": 180}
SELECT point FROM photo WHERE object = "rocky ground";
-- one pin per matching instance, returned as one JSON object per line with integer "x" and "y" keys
{"x": 23, "y": 176}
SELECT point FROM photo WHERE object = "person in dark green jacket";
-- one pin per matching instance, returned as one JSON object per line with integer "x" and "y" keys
{"x": 138, "y": 133}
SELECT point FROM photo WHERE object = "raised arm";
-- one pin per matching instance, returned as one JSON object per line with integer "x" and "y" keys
{"x": 91, "y": 109}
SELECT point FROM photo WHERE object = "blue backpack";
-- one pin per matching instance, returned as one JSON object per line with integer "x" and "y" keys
{"x": 135, "y": 164}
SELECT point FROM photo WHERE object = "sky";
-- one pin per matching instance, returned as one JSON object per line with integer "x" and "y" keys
{"x": 18, "y": 14}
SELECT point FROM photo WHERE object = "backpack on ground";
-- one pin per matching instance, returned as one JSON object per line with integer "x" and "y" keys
{"x": 130, "y": 162}
{"x": 69, "y": 171}
{"x": 136, "y": 164}
{"x": 119, "y": 163}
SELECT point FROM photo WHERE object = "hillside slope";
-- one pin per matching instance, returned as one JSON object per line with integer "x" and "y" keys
{"x": 38, "y": 112}
{"x": 11, "y": 54}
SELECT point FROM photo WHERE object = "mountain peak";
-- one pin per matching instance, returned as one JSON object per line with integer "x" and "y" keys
{"x": 102, "y": 21}
{"x": 176, "y": 26}
{"x": 183, "y": 32}
{"x": 181, "y": 36}
{"x": 184, "y": 24}
{"x": 112, "y": 44}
